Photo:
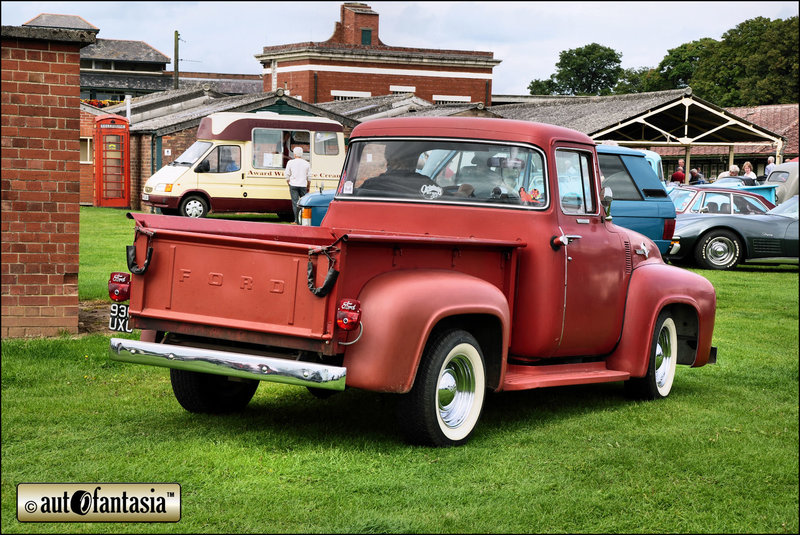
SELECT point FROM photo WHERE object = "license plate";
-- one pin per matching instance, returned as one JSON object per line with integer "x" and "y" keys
{"x": 145, "y": 197}
{"x": 118, "y": 318}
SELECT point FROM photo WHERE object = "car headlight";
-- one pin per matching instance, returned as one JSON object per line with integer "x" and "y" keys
{"x": 163, "y": 188}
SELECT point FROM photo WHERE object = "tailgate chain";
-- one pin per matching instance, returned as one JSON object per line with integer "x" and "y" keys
{"x": 133, "y": 267}
{"x": 333, "y": 273}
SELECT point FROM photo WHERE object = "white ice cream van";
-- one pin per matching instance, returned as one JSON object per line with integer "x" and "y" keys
{"x": 237, "y": 164}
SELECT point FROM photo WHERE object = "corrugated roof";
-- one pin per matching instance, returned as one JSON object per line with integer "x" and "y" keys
{"x": 587, "y": 114}
{"x": 116, "y": 49}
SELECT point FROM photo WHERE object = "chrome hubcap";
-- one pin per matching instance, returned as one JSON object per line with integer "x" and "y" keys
{"x": 720, "y": 251}
{"x": 663, "y": 356}
{"x": 456, "y": 391}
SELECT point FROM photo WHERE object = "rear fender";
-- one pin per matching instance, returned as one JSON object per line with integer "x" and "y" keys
{"x": 400, "y": 309}
{"x": 691, "y": 299}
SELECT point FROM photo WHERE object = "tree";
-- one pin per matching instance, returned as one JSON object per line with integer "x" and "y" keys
{"x": 642, "y": 80}
{"x": 591, "y": 70}
{"x": 754, "y": 64}
{"x": 678, "y": 66}
{"x": 543, "y": 87}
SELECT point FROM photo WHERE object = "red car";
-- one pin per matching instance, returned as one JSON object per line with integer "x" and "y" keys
{"x": 711, "y": 200}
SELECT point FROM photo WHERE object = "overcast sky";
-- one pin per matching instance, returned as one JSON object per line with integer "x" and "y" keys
{"x": 224, "y": 37}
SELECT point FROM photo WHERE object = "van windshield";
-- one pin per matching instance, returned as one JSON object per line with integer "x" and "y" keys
{"x": 192, "y": 154}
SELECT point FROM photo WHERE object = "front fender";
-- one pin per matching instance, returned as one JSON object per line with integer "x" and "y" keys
{"x": 399, "y": 310}
{"x": 652, "y": 288}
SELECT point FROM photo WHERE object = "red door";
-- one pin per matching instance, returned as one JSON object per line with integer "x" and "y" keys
{"x": 112, "y": 161}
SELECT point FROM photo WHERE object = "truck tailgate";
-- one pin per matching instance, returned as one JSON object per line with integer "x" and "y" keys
{"x": 237, "y": 276}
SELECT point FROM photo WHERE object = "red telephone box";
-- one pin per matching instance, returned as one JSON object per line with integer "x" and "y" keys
{"x": 112, "y": 161}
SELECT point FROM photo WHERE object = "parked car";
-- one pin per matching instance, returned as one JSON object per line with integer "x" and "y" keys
{"x": 716, "y": 200}
{"x": 785, "y": 177}
{"x": 640, "y": 201}
{"x": 724, "y": 241}
{"x": 736, "y": 181}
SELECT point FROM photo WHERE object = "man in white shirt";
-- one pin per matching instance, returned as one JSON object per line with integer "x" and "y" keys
{"x": 297, "y": 172}
{"x": 770, "y": 165}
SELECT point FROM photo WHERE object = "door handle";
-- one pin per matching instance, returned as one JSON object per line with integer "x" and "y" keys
{"x": 557, "y": 241}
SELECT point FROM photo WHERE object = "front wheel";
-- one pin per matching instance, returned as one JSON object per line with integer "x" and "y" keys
{"x": 657, "y": 382}
{"x": 207, "y": 393}
{"x": 719, "y": 249}
{"x": 446, "y": 400}
{"x": 194, "y": 206}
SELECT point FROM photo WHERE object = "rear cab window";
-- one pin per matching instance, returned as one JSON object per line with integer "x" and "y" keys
{"x": 445, "y": 171}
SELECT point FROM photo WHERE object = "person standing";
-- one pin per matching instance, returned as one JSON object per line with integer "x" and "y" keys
{"x": 678, "y": 176}
{"x": 770, "y": 165}
{"x": 297, "y": 173}
{"x": 747, "y": 170}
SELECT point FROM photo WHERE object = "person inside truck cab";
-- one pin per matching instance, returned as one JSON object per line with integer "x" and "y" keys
{"x": 401, "y": 174}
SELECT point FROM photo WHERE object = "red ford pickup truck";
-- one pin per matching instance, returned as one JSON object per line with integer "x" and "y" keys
{"x": 459, "y": 256}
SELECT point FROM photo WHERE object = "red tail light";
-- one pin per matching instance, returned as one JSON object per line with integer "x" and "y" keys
{"x": 348, "y": 314}
{"x": 119, "y": 286}
{"x": 669, "y": 229}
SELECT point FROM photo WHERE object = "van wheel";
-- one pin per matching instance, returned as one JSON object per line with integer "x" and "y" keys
{"x": 194, "y": 206}
{"x": 444, "y": 405}
{"x": 657, "y": 382}
{"x": 208, "y": 393}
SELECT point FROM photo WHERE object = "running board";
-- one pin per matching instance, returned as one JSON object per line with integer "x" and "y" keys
{"x": 527, "y": 377}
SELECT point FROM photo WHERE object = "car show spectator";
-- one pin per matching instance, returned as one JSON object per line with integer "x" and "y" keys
{"x": 732, "y": 171}
{"x": 770, "y": 165}
{"x": 747, "y": 170}
{"x": 696, "y": 177}
{"x": 679, "y": 175}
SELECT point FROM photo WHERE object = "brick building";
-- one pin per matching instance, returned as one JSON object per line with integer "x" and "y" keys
{"x": 355, "y": 63}
{"x": 40, "y": 179}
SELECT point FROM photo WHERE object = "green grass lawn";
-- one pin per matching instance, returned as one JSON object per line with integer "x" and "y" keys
{"x": 720, "y": 455}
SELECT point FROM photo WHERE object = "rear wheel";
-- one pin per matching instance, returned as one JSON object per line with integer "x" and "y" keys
{"x": 719, "y": 249}
{"x": 657, "y": 382}
{"x": 194, "y": 206}
{"x": 445, "y": 403}
{"x": 207, "y": 393}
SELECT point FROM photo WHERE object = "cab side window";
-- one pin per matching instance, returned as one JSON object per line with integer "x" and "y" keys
{"x": 223, "y": 159}
{"x": 575, "y": 182}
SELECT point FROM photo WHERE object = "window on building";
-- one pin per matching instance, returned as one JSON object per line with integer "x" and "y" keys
{"x": 366, "y": 37}
{"x": 349, "y": 95}
{"x": 397, "y": 89}
{"x": 86, "y": 150}
{"x": 451, "y": 99}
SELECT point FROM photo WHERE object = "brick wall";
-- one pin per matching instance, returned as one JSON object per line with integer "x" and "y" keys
{"x": 40, "y": 180}
{"x": 301, "y": 84}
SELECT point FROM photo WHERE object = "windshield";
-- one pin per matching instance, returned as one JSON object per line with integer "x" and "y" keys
{"x": 788, "y": 208}
{"x": 444, "y": 171}
{"x": 681, "y": 198}
{"x": 192, "y": 154}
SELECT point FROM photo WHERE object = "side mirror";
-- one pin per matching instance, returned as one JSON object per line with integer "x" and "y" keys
{"x": 606, "y": 202}
{"x": 203, "y": 167}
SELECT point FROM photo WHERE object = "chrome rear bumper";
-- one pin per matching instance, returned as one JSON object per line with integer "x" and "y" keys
{"x": 274, "y": 370}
